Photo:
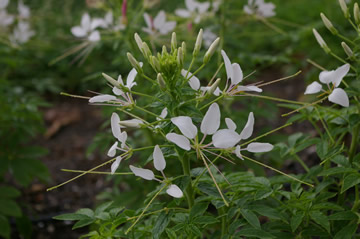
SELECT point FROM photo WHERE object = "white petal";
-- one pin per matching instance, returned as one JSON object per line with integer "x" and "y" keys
{"x": 164, "y": 113}
{"x": 259, "y": 147}
{"x": 86, "y": 22}
{"x": 183, "y": 13}
{"x": 159, "y": 160}
{"x": 130, "y": 79}
{"x": 115, "y": 164}
{"x": 132, "y": 123}
{"x": 211, "y": 122}
{"x": 185, "y": 125}
{"x": 203, "y": 7}
{"x": 313, "y": 88}
{"x": 159, "y": 20}
{"x": 94, "y": 36}
{"x": 98, "y": 22}
{"x": 339, "y": 96}
{"x": 225, "y": 138}
{"x": 115, "y": 125}
{"x": 217, "y": 91}
{"x": 340, "y": 74}
{"x": 191, "y": 5}
{"x": 237, "y": 152}
{"x": 112, "y": 150}
{"x": 174, "y": 191}
{"x": 237, "y": 74}
{"x": 3, "y": 4}
{"x": 119, "y": 79}
{"x": 327, "y": 76}
{"x": 117, "y": 91}
{"x": 78, "y": 31}
{"x": 194, "y": 82}
{"x": 101, "y": 98}
{"x": 230, "y": 124}
{"x": 122, "y": 138}
{"x": 179, "y": 140}
{"x": 249, "y": 127}
{"x": 228, "y": 66}
{"x": 148, "y": 20}
{"x": 167, "y": 27}
{"x": 143, "y": 173}
{"x": 249, "y": 88}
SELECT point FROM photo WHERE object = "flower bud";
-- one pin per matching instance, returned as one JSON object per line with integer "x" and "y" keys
{"x": 347, "y": 50}
{"x": 155, "y": 63}
{"x": 321, "y": 41}
{"x": 356, "y": 13}
{"x": 139, "y": 42}
{"x": 214, "y": 86}
{"x": 183, "y": 48}
{"x": 173, "y": 42}
{"x": 132, "y": 123}
{"x": 134, "y": 62}
{"x": 161, "y": 81}
{"x": 111, "y": 80}
{"x": 198, "y": 43}
{"x": 164, "y": 50}
{"x": 180, "y": 58}
{"x": 147, "y": 52}
{"x": 211, "y": 50}
{"x": 344, "y": 8}
{"x": 328, "y": 24}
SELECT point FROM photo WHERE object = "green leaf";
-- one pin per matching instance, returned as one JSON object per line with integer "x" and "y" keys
{"x": 253, "y": 232}
{"x": 24, "y": 226}
{"x": 9, "y": 192}
{"x": 161, "y": 223}
{"x": 70, "y": 217}
{"x": 296, "y": 220}
{"x": 103, "y": 216}
{"x": 9, "y": 207}
{"x": 205, "y": 220}
{"x": 4, "y": 227}
{"x": 346, "y": 232}
{"x": 320, "y": 219}
{"x": 347, "y": 215}
{"x": 322, "y": 149}
{"x": 336, "y": 170}
{"x": 85, "y": 211}
{"x": 193, "y": 230}
{"x": 198, "y": 209}
{"x": 83, "y": 223}
{"x": 251, "y": 218}
{"x": 262, "y": 193}
{"x": 103, "y": 207}
{"x": 171, "y": 234}
{"x": 235, "y": 225}
{"x": 350, "y": 181}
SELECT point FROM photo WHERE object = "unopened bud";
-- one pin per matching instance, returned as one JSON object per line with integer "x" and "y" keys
{"x": 134, "y": 62}
{"x": 161, "y": 81}
{"x": 321, "y": 41}
{"x": 198, "y": 43}
{"x": 111, "y": 80}
{"x": 139, "y": 42}
{"x": 211, "y": 50}
{"x": 147, "y": 52}
{"x": 173, "y": 42}
{"x": 214, "y": 86}
{"x": 356, "y": 13}
{"x": 155, "y": 63}
{"x": 183, "y": 47}
{"x": 347, "y": 50}
{"x": 328, "y": 24}
{"x": 344, "y": 8}
{"x": 164, "y": 50}
{"x": 132, "y": 123}
{"x": 180, "y": 58}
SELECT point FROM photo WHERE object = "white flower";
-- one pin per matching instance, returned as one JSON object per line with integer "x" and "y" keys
{"x": 208, "y": 37}
{"x": 228, "y": 138}
{"x": 87, "y": 28}
{"x": 194, "y": 10}
{"x": 260, "y": 8}
{"x": 337, "y": 95}
{"x": 159, "y": 164}
{"x": 158, "y": 25}
{"x": 24, "y": 11}
{"x": 5, "y": 18}
{"x": 209, "y": 125}
{"x": 108, "y": 22}
{"x": 22, "y": 33}
{"x": 194, "y": 82}
{"x": 4, "y": 4}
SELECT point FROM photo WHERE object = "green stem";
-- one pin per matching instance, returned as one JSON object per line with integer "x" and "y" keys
{"x": 301, "y": 162}
{"x": 346, "y": 39}
{"x": 223, "y": 221}
{"x": 218, "y": 98}
{"x": 275, "y": 99}
{"x": 354, "y": 143}
{"x": 94, "y": 172}
{"x": 342, "y": 60}
{"x": 324, "y": 125}
{"x": 189, "y": 189}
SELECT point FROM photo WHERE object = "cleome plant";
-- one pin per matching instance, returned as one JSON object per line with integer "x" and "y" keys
{"x": 205, "y": 183}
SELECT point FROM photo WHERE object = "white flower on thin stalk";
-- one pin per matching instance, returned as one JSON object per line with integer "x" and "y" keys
{"x": 337, "y": 95}
{"x": 159, "y": 164}
{"x": 109, "y": 23}
{"x": 121, "y": 137}
{"x": 5, "y": 18}
{"x": 126, "y": 97}
{"x": 158, "y": 25}
{"x": 194, "y": 83}
{"x": 22, "y": 33}
{"x": 260, "y": 8}
{"x": 228, "y": 138}
{"x": 194, "y": 10}
{"x": 87, "y": 27}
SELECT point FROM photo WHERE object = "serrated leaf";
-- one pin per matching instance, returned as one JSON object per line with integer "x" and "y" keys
{"x": 253, "y": 232}
{"x": 251, "y": 218}
{"x": 83, "y": 223}
{"x": 198, "y": 209}
{"x": 350, "y": 181}
{"x": 161, "y": 223}
{"x": 320, "y": 219}
{"x": 296, "y": 220}
{"x": 346, "y": 232}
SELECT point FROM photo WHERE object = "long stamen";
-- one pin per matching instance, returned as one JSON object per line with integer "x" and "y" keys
{"x": 219, "y": 156}
{"x": 217, "y": 169}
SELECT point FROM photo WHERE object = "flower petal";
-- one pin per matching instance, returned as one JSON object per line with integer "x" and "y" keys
{"x": 101, "y": 98}
{"x": 143, "y": 173}
{"x": 78, "y": 31}
{"x": 327, "y": 76}
{"x": 185, "y": 125}
{"x": 115, "y": 164}
{"x": 228, "y": 66}
{"x": 115, "y": 125}
{"x": 179, "y": 140}
{"x": 259, "y": 147}
{"x": 112, "y": 150}
{"x": 86, "y": 22}
{"x": 94, "y": 36}
{"x": 313, "y": 88}
{"x": 194, "y": 82}
{"x": 122, "y": 138}
{"x": 230, "y": 124}
{"x": 211, "y": 121}
{"x": 237, "y": 152}
{"x": 249, "y": 127}
{"x": 159, "y": 20}
{"x": 174, "y": 191}
{"x": 249, "y": 88}
{"x": 130, "y": 79}
{"x": 183, "y": 13}
{"x": 159, "y": 160}
{"x": 225, "y": 138}
{"x": 163, "y": 114}
{"x": 339, "y": 96}
{"x": 340, "y": 74}
{"x": 237, "y": 74}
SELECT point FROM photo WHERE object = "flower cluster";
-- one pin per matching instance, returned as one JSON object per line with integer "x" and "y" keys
{"x": 260, "y": 8}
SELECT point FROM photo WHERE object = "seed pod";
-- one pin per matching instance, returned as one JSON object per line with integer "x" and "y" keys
{"x": 211, "y": 50}
{"x": 328, "y": 24}
{"x": 198, "y": 43}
